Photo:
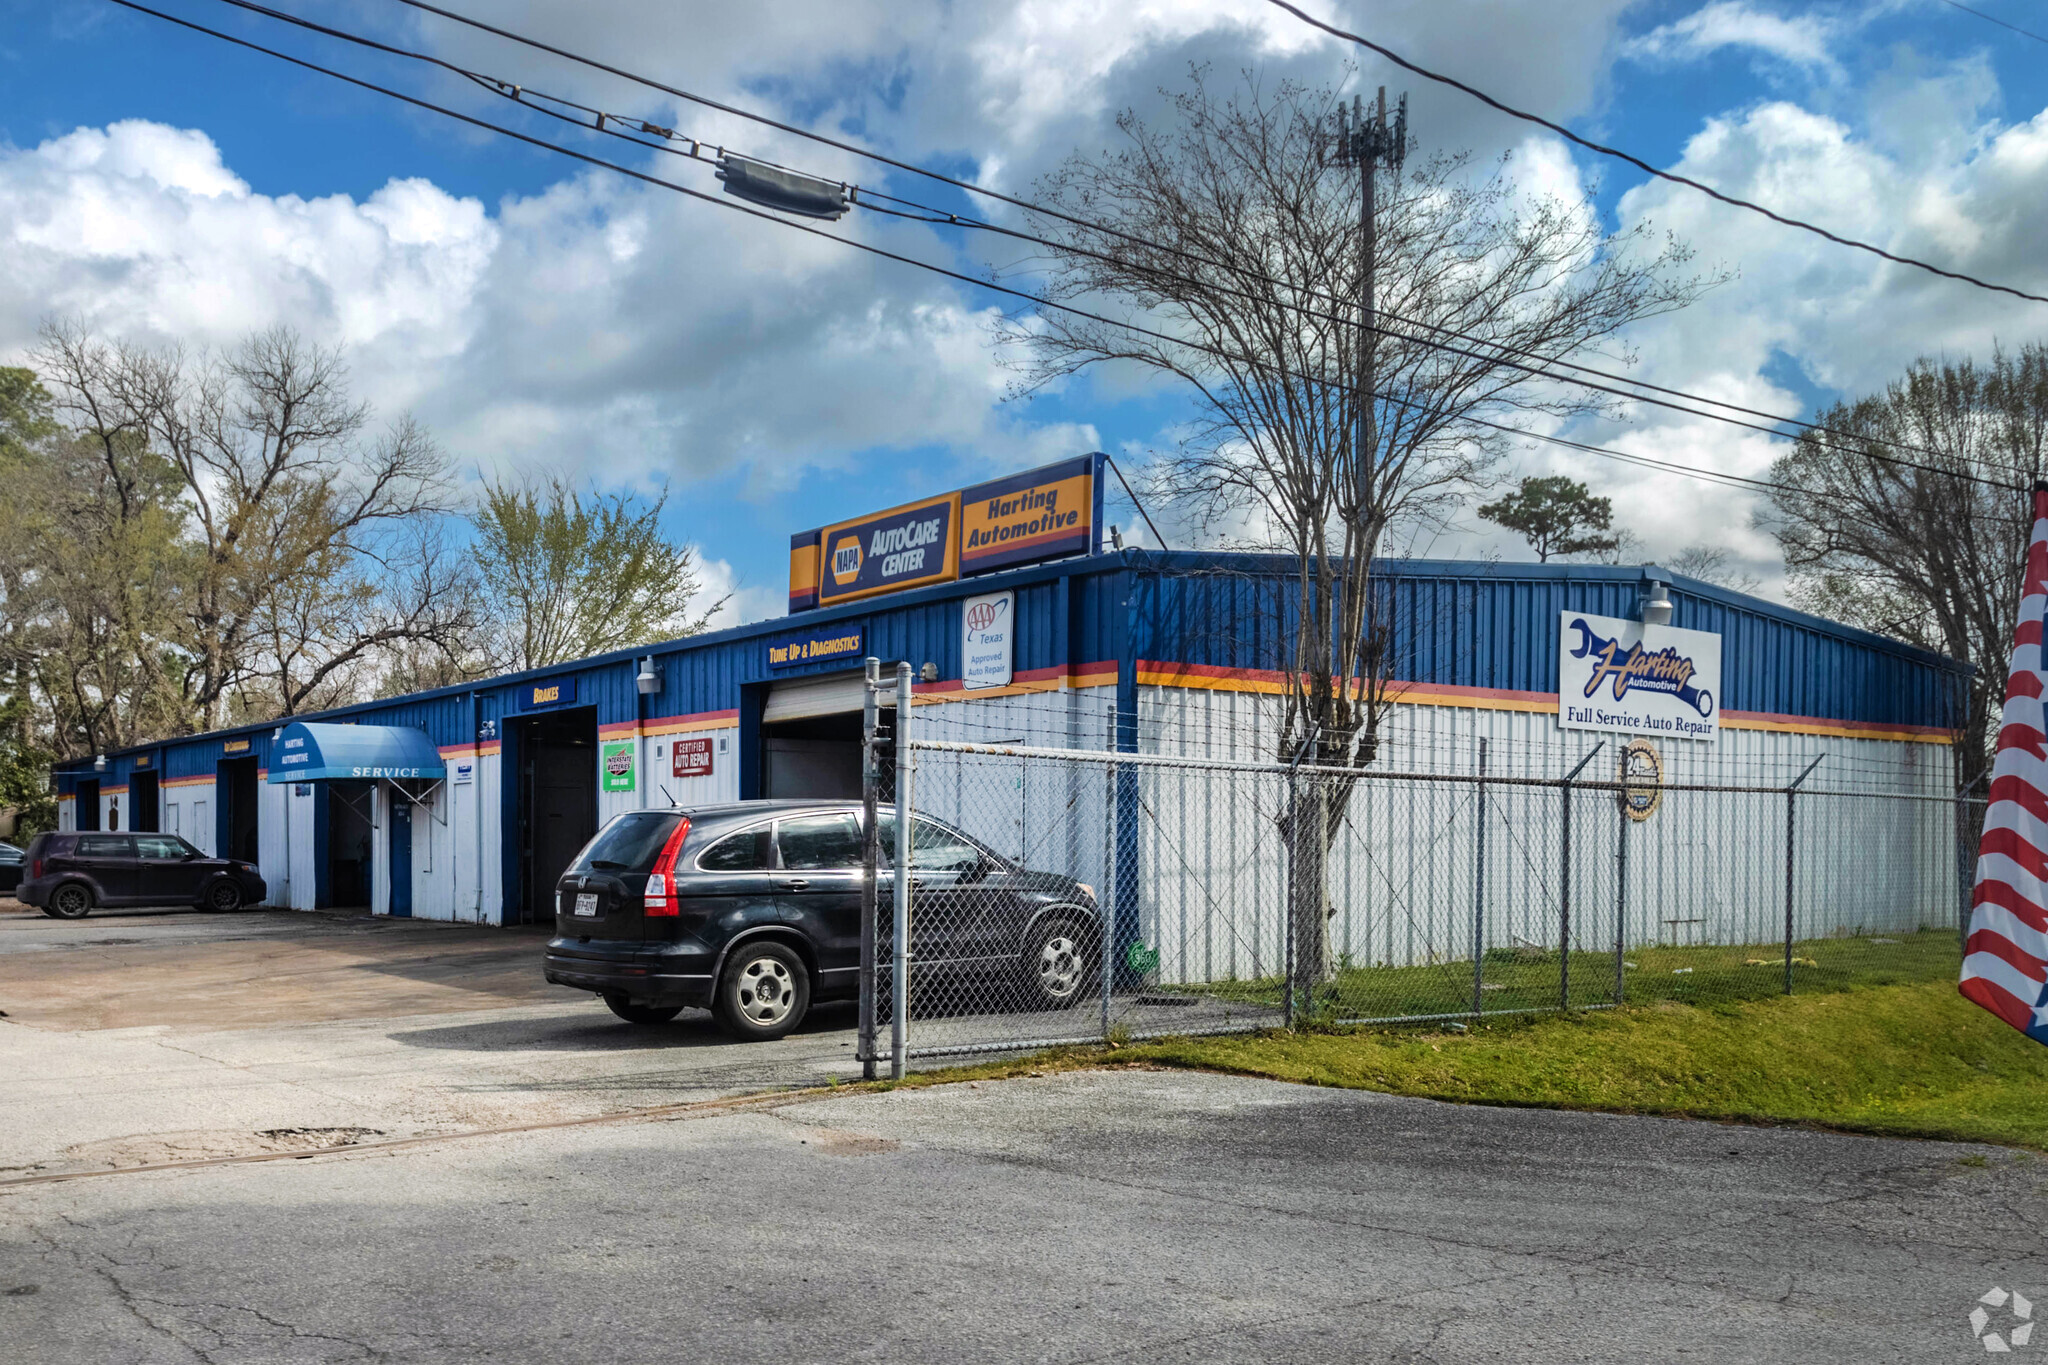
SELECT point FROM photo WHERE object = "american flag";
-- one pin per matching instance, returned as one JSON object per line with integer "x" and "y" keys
{"x": 2005, "y": 958}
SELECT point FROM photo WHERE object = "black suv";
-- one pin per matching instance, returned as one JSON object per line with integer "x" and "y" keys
{"x": 69, "y": 874}
{"x": 752, "y": 909}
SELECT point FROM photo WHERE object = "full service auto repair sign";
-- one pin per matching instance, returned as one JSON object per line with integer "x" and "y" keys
{"x": 1624, "y": 675}
{"x": 905, "y": 547}
{"x": 988, "y": 642}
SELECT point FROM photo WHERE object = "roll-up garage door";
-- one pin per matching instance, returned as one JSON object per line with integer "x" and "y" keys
{"x": 804, "y": 698}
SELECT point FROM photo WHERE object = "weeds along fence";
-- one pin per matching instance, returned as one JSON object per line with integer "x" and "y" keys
{"x": 1146, "y": 895}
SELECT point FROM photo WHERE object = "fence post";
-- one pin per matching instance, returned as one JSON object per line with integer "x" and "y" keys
{"x": 1621, "y": 892}
{"x": 899, "y": 979}
{"x": 870, "y": 857}
{"x": 1564, "y": 887}
{"x": 1479, "y": 890}
{"x": 1107, "y": 927}
{"x": 1790, "y": 793}
{"x": 1288, "y": 888}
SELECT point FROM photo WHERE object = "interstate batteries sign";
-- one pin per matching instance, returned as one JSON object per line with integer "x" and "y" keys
{"x": 1039, "y": 514}
{"x": 1624, "y": 675}
{"x": 906, "y": 547}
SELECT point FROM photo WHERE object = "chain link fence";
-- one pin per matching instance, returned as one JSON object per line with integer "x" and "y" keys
{"x": 1063, "y": 896}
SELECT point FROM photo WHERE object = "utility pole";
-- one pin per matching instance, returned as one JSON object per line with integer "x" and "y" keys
{"x": 1368, "y": 141}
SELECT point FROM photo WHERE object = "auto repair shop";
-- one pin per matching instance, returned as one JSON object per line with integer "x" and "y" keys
{"x": 1024, "y": 628}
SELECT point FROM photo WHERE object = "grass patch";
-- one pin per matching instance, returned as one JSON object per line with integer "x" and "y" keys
{"x": 1902, "y": 1061}
{"x": 1908, "y": 1061}
{"x": 1532, "y": 978}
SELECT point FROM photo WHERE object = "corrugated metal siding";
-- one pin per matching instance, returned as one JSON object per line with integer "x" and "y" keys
{"x": 1493, "y": 626}
{"x": 1467, "y": 624}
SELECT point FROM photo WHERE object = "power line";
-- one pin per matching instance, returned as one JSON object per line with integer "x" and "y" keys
{"x": 1994, "y": 19}
{"x": 1636, "y": 161}
{"x": 1041, "y": 301}
{"x": 615, "y": 125}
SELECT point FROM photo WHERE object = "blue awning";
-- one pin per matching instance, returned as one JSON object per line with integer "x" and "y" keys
{"x": 312, "y": 753}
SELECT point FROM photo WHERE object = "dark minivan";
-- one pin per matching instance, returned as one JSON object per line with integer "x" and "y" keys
{"x": 69, "y": 874}
{"x": 752, "y": 910}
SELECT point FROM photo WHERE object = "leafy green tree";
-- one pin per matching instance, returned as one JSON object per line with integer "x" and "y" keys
{"x": 1557, "y": 516}
{"x": 573, "y": 576}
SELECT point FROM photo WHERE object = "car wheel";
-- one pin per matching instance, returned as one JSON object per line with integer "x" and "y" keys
{"x": 224, "y": 896}
{"x": 70, "y": 901}
{"x": 764, "y": 993}
{"x": 1060, "y": 961}
{"x": 640, "y": 1014}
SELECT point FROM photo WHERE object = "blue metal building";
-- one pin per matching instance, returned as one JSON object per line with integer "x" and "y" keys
{"x": 532, "y": 763}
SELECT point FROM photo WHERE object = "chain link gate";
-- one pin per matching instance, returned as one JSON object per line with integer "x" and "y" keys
{"x": 1062, "y": 896}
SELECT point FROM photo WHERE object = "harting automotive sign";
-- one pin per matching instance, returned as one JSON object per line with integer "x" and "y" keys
{"x": 1039, "y": 514}
{"x": 905, "y": 547}
{"x": 1624, "y": 675}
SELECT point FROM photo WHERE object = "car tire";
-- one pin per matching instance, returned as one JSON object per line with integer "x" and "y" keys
{"x": 764, "y": 991}
{"x": 72, "y": 900}
{"x": 1060, "y": 963}
{"x": 640, "y": 1014}
{"x": 224, "y": 897}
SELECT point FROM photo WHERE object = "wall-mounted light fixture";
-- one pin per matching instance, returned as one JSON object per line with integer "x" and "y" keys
{"x": 1656, "y": 603}
{"x": 99, "y": 764}
{"x": 647, "y": 680}
{"x": 929, "y": 673}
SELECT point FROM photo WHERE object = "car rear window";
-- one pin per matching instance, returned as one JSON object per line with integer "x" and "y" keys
{"x": 630, "y": 843}
{"x": 49, "y": 845}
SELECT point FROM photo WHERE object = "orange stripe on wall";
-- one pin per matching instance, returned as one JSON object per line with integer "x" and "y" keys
{"x": 1024, "y": 682}
{"x": 1152, "y": 673}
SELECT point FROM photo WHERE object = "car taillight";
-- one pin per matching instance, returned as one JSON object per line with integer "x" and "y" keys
{"x": 35, "y": 869}
{"x": 660, "y": 896}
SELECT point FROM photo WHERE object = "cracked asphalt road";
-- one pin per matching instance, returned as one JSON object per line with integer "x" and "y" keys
{"x": 1078, "y": 1217}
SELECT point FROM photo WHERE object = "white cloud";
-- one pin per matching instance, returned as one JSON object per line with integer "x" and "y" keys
{"x": 140, "y": 230}
{"x": 1804, "y": 40}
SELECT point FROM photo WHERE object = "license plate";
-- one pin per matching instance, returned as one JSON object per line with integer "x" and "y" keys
{"x": 586, "y": 904}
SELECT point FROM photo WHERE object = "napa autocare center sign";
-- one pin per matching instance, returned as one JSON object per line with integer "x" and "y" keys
{"x": 1642, "y": 679}
{"x": 905, "y": 547}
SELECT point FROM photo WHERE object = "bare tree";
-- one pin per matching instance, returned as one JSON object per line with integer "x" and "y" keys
{"x": 1932, "y": 555}
{"x": 1226, "y": 231}
{"x": 304, "y": 523}
{"x": 1713, "y": 564}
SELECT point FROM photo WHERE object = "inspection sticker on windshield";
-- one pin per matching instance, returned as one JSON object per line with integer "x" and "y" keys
{"x": 586, "y": 904}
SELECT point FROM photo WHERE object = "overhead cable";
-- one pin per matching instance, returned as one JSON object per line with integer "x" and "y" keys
{"x": 619, "y": 125}
{"x": 1994, "y": 19}
{"x": 1801, "y": 224}
{"x": 961, "y": 277}
{"x": 625, "y": 127}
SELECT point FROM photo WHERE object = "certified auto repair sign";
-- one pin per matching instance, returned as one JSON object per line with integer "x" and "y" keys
{"x": 904, "y": 547}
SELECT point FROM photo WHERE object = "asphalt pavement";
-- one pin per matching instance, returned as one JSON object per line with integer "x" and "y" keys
{"x": 1127, "y": 1215}
{"x": 1073, "y": 1217}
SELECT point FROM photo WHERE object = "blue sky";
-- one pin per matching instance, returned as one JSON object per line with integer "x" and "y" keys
{"x": 162, "y": 185}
